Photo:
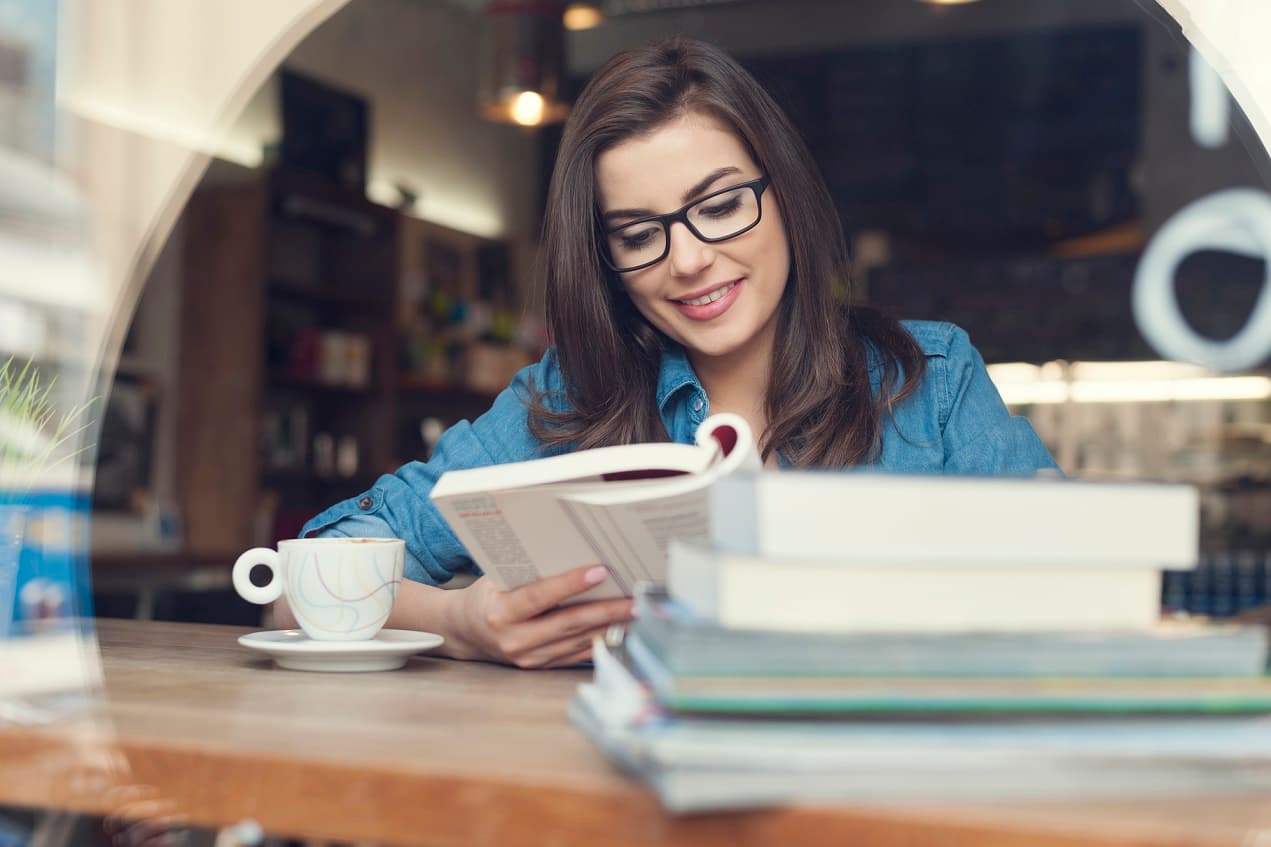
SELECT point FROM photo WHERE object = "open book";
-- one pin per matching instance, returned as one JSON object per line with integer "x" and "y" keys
{"x": 617, "y": 506}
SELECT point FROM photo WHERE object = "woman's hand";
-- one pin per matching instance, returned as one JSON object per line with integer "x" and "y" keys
{"x": 524, "y": 627}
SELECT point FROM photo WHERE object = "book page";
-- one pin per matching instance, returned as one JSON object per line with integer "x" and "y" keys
{"x": 518, "y": 533}
{"x": 631, "y": 529}
{"x": 620, "y": 463}
{"x": 632, "y": 537}
{"x": 520, "y": 536}
{"x": 731, "y": 435}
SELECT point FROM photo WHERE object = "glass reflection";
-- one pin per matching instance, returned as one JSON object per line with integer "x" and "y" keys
{"x": 1023, "y": 169}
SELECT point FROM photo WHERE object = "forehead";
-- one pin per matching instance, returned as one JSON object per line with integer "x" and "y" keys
{"x": 653, "y": 170}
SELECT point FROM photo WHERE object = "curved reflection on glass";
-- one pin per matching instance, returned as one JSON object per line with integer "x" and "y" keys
{"x": 88, "y": 196}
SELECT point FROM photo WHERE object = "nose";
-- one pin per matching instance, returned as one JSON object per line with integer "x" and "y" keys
{"x": 689, "y": 255}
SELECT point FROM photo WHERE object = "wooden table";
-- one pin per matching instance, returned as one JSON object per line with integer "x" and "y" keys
{"x": 452, "y": 753}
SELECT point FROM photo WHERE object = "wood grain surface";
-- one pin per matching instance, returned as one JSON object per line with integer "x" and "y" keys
{"x": 451, "y": 753}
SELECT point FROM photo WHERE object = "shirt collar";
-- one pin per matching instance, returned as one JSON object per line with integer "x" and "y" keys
{"x": 675, "y": 373}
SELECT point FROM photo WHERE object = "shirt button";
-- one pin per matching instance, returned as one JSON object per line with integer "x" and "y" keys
{"x": 697, "y": 404}
{"x": 365, "y": 504}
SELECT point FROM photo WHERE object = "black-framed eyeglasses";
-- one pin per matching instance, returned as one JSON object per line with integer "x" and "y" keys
{"x": 718, "y": 216}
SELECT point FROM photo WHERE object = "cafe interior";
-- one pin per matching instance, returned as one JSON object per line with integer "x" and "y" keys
{"x": 355, "y": 269}
{"x": 346, "y": 262}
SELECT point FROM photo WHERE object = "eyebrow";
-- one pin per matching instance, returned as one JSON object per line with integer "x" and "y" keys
{"x": 696, "y": 191}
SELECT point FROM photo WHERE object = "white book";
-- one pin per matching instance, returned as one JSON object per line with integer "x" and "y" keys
{"x": 1035, "y": 523}
{"x": 850, "y": 595}
{"x": 617, "y": 506}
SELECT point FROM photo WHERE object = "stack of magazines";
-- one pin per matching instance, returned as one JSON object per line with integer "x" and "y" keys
{"x": 714, "y": 718}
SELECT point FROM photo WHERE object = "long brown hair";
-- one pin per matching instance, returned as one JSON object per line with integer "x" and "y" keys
{"x": 820, "y": 408}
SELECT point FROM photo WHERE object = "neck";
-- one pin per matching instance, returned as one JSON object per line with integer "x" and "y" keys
{"x": 738, "y": 382}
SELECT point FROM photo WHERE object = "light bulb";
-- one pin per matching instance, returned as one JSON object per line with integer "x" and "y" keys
{"x": 527, "y": 108}
{"x": 582, "y": 16}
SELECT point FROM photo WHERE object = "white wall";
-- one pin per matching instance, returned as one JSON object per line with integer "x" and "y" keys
{"x": 418, "y": 62}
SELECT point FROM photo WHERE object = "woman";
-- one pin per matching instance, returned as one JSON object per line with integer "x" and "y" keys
{"x": 691, "y": 253}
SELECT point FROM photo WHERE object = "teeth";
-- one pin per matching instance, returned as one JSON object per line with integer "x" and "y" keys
{"x": 711, "y": 297}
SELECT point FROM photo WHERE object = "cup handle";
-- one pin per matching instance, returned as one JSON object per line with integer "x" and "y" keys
{"x": 259, "y": 594}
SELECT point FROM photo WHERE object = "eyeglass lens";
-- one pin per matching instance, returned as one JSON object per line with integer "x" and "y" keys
{"x": 716, "y": 217}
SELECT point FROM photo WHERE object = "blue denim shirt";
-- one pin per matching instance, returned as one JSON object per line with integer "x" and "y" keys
{"x": 954, "y": 423}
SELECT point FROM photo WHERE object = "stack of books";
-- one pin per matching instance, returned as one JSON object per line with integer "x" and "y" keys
{"x": 898, "y": 638}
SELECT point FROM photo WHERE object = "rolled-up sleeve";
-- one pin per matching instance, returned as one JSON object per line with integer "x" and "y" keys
{"x": 981, "y": 436}
{"x": 398, "y": 504}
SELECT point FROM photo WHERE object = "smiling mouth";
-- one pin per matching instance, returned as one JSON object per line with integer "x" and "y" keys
{"x": 709, "y": 297}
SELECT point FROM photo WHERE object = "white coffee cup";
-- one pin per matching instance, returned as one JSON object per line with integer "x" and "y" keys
{"x": 339, "y": 589}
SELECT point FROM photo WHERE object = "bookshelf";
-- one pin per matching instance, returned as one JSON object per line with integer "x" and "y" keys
{"x": 295, "y": 391}
{"x": 463, "y": 331}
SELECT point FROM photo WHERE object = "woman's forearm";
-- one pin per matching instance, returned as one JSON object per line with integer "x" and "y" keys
{"x": 525, "y": 626}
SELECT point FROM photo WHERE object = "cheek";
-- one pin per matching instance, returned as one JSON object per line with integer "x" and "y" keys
{"x": 773, "y": 266}
{"x": 782, "y": 270}
{"x": 639, "y": 289}
{"x": 773, "y": 250}
{"x": 641, "y": 296}
{"x": 783, "y": 267}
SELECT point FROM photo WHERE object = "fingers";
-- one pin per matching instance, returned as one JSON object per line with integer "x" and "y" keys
{"x": 576, "y": 659}
{"x": 562, "y": 653}
{"x": 534, "y": 599}
{"x": 570, "y": 622}
{"x": 527, "y": 627}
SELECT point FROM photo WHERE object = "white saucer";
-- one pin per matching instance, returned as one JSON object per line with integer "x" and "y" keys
{"x": 388, "y": 650}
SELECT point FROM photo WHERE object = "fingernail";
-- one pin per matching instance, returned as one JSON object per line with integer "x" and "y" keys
{"x": 596, "y": 575}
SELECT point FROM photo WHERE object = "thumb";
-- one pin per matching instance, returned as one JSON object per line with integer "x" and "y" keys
{"x": 545, "y": 594}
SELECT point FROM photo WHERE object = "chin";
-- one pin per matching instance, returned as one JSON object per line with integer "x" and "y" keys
{"x": 713, "y": 347}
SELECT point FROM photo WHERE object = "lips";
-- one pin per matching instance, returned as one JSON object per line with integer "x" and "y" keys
{"x": 709, "y": 303}
{"x": 708, "y": 297}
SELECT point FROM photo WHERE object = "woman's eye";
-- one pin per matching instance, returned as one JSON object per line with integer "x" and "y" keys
{"x": 722, "y": 209}
{"x": 633, "y": 240}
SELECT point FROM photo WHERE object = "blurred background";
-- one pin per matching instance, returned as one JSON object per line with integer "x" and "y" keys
{"x": 354, "y": 269}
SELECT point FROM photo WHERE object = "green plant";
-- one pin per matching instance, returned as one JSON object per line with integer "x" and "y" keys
{"x": 33, "y": 437}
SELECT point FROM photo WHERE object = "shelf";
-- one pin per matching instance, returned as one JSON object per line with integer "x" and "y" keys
{"x": 304, "y": 383}
{"x": 1234, "y": 484}
{"x": 306, "y": 476}
{"x": 117, "y": 562}
{"x": 445, "y": 391}
{"x": 133, "y": 365}
{"x": 305, "y": 197}
{"x": 313, "y": 294}
{"x": 1128, "y": 238}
